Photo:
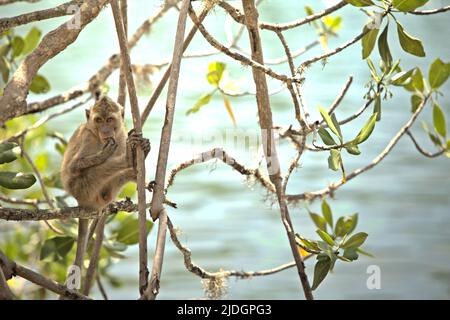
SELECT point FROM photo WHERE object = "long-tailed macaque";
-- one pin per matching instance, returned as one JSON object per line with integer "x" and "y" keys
{"x": 98, "y": 161}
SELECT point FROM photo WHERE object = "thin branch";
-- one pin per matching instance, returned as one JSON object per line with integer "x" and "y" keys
{"x": 204, "y": 274}
{"x": 220, "y": 154}
{"x": 13, "y": 102}
{"x": 421, "y": 150}
{"x": 157, "y": 209}
{"x": 103, "y": 73}
{"x": 95, "y": 256}
{"x": 125, "y": 57}
{"x": 18, "y": 214}
{"x": 15, "y": 269}
{"x": 162, "y": 83}
{"x": 58, "y": 11}
{"x": 309, "y": 196}
{"x": 101, "y": 288}
{"x": 240, "y": 18}
{"x": 432, "y": 11}
{"x": 340, "y": 97}
{"x": 235, "y": 55}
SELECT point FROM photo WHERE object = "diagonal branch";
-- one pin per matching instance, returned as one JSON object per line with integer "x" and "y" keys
{"x": 58, "y": 11}
{"x": 157, "y": 209}
{"x": 13, "y": 102}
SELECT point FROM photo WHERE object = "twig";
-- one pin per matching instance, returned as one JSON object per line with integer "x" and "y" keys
{"x": 240, "y": 18}
{"x": 143, "y": 271}
{"x": 13, "y": 102}
{"x": 162, "y": 83}
{"x": 103, "y": 73}
{"x": 58, "y": 11}
{"x": 204, "y": 274}
{"x": 101, "y": 288}
{"x": 340, "y": 97}
{"x": 235, "y": 55}
{"x": 309, "y": 196}
{"x": 421, "y": 150}
{"x": 220, "y": 154}
{"x": 433, "y": 11}
{"x": 157, "y": 209}
{"x": 16, "y": 269}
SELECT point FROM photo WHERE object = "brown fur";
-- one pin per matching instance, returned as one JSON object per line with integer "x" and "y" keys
{"x": 98, "y": 161}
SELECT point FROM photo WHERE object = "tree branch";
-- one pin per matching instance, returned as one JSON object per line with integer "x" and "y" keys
{"x": 157, "y": 209}
{"x": 265, "y": 122}
{"x": 13, "y": 102}
{"x": 143, "y": 270}
{"x": 58, "y": 11}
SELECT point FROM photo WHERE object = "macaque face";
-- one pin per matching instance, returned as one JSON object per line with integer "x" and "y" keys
{"x": 106, "y": 126}
{"x": 105, "y": 119}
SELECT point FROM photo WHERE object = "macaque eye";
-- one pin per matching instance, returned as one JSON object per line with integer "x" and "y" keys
{"x": 98, "y": 120}
{"x": 109, "y": 120}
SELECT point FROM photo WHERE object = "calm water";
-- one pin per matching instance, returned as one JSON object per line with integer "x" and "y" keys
{"x": 403, "y": 203}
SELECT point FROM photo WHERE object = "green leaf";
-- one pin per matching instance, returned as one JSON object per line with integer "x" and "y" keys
{"x": 334, "y": 159}
{"x": 319, "y": 221}
{"x": 17, "y": 45}
{"x": 409, "y": 43}
{"x": 360, "y": 3}
{"x": 16, "y": 180}
{"x": 355, "y": 241}
{"x": 351, "y": 254}
{"x": 327, "y": 213}
{"x": 215, "y": 73}
{"x": 5, "y": 68}
{"x": 352, "y": 149}
{"x": 129, "y": 190}
{"x": 401, "y": 78}
{"x": 439, "y": 120}
{"x": 204, "y": 100}
{"x": 326, "y": 137}
{"x": 434, "y": 138}
{"x": 345, "y": 225}
{"x": 363, "y": 252}
{"x": 59, "y": 247}
{"x": 325, "y": 237}
{"x": 368, "y": 40}
{"x": 383, "y": 47}
{"x": 310, "y": 244}
{"x": 39, "y": 84}
{"x": 439, "y": 73}
{"x": 416, "y": 83}
{"x": 31, "y": 40}
{"x": 321, "y": 270}
{"x": 8, "y": 152}
{"x": 336, "y": 125}
{"x": 329, "y": 122}
{"x": 408, "y": 5}
{"x": 128, "y": 230}
{"x": 416, "y": 100}
{"x": 377, "y": 107}
{"x": 365, "y": 132}
{"x": 373, "y": 70}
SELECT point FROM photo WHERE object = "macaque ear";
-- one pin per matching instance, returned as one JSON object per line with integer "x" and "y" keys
{"x": 87, "y": 114}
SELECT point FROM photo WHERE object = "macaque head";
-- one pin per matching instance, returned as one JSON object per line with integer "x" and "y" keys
{"x": 105, "y": 118}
